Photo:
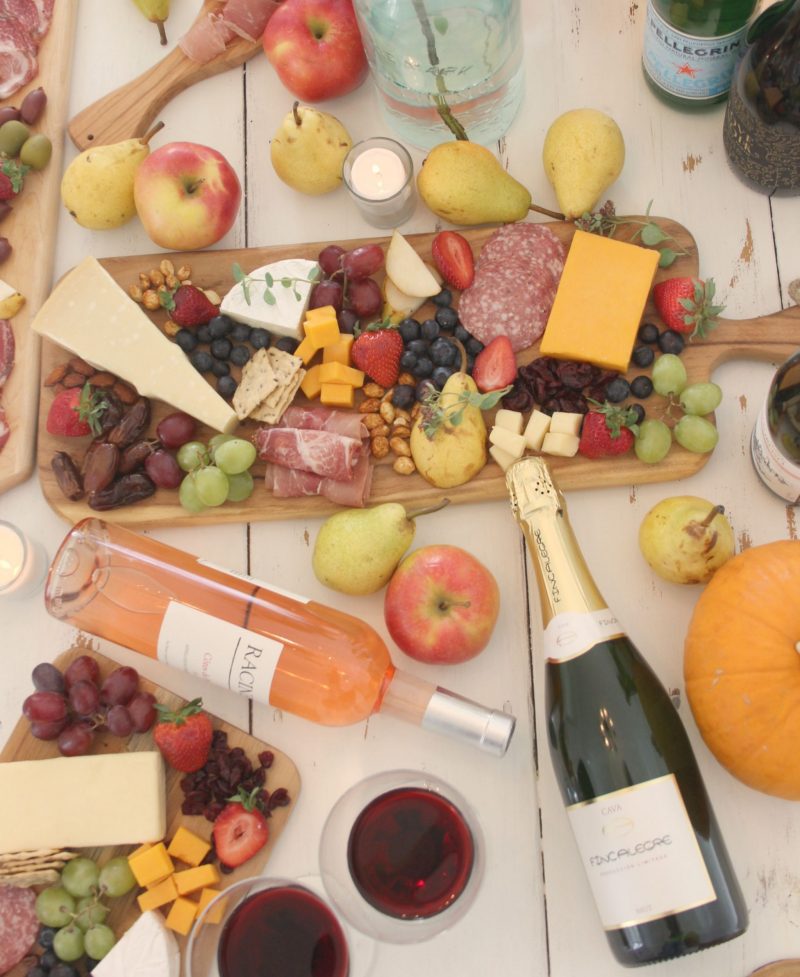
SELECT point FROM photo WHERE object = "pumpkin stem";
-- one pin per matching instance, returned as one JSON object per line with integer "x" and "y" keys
{"x": 716, "y": 511}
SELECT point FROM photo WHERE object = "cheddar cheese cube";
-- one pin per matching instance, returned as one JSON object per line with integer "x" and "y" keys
{"x": 339, "y": 352}
{"x": 310, "y": 383}
{"x": 306, "y": 351}
{"x": 151, "y": 865}
{"x": 188, "y": 847}
{"x": 181, "y": 915}
{"x": 322, "y": 331}
{"x": 336, "y": 395}
{"x": 140, "y": 850}
{"x": 159, "y": 895}
{"x": 339, "y": 373}
{"x": 321, "y": 312}
{"x": 192, "y": 879}
{"x": 215, "y": 915}
{"x": 599, "y": 301}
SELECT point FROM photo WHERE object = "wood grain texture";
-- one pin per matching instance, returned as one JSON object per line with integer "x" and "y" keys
{"x": 781, "y": 968}
{"x": 31, "y": 229}
{"x": 768, "y": 337}
{"x": 128, "y": 111}
{"x": 283, "y": 773}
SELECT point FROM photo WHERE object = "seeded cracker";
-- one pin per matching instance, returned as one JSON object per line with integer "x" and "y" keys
{"x": 289, "y": 373}
{"x": 258, "y": 382}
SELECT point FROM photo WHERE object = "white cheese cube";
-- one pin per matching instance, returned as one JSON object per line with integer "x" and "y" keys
{"x": 563, "y": 422}
{"x": 511, "y": 420}
{"x": 513, "y": 444}
{"x": 538, "y": 425}
{"x": 563, "y": 445}
{"x": 503, "y": 458}
{"x": 283, "y": 317}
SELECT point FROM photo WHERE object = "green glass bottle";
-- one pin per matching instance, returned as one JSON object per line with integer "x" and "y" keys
{"x": 691, "y": 48}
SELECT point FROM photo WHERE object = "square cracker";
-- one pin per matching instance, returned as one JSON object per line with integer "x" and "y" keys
{"x": 258, "y": 382}
{"x": 271, "y": 413}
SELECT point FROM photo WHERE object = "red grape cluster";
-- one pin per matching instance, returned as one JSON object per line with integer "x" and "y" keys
{"x": 347, "y": 285}
{"x": 71, "y": 706}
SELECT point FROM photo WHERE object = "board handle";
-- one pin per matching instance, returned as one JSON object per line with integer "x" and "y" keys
{"x": 770, "y": 338}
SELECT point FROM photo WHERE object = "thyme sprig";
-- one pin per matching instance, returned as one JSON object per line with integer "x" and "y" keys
{"x": 286, "y": 281}
{"x": 605, "y": 222}
{"x": 434, "y": 413}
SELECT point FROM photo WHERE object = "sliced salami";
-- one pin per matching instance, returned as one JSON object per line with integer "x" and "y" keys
{"x": 5, "y": 433}
{"x": 24, "y": 12}
{"x": 6, "y": 350}
{"x": 18, "y": 64}
{"x": 19, "y": 926}
{"x": 533, "y": 243}
{"x": 44, "y": 8}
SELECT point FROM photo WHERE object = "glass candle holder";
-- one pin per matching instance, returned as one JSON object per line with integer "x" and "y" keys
{"x": 379, "y": 175}
{"x": 23, "y": 563}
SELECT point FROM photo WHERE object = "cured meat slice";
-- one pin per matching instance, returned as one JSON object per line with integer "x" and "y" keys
{"x": 531, "y": 243}
{"x": 288, "y": 483}
{"x": 24, "y": 12}
{"x": 320, "y": 418}
{"x": 18, "y": 63}
{"x": 5, "y": 432}
{"x": 19, "y": 926}
{"x": 6, "y": 350}
{"x": 206, "y": 39}
{"x": 248, "y": 18}
{"x": 44, "y": 9}
{"x": 320, "y": 452}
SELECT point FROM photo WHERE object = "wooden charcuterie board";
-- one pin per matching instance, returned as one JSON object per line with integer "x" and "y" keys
{"x": 31, "y": 229}
{"x": 770, "y": 337}
{"x": 283, "y": 773}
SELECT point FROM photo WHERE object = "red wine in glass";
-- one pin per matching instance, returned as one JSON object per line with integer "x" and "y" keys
{"x": 410, "y": 853}
{"x": 285, "y": 930}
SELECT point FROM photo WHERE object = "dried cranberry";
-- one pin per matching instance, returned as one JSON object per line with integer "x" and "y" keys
{"x": 266, "y": 758}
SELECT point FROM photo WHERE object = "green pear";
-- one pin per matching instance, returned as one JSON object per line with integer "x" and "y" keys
{"x": 357, "y": 550}
{"x": 156, "y": 11}
{"x": 97, "y": 186}
{"x": 308, "y": 150}
{"x": 583, "y": 153}
{"x": 464, "y": 183}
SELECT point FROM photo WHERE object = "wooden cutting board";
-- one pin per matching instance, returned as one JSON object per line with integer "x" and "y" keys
{"x": 781, "y": 968}
{"x": 770, "y": 337}
{"x": 283, "y": 773}
{"x": 31, "y": 229}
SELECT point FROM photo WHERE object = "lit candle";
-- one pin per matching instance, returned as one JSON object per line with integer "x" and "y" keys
{"x": 23, "y": 563}
{"x": 379, "y": 174}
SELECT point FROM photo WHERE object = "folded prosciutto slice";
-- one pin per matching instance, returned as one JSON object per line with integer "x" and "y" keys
{"x": 248, "y": 18}
{"x": 319, "y": 418}
{"x": 321, "y": 452}
{"x": 288, "y": 483}
{"x": 206, "y": 39}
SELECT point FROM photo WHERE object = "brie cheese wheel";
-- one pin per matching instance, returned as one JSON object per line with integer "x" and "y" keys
{"x": 285, "y": 316}
{"x": 147, "y": 949}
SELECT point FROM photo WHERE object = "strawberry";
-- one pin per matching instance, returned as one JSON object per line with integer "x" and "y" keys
{"x": 188, "y": 305}
{"x": 452, "y": 255}
{"x": 685, "y": 304}
{"x": 75, "y": 413}
{"x": 377, "y": 352}
{"x": 241, "y": 829}
{"x": 12, "y": 177}
{"x": 7, "y": 191}
{"x": 495, "y": 366}
{"x": 184, "y": 737}
{"x": 607, "y": 431}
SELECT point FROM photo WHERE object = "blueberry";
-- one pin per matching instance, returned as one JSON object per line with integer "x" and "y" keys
{"x": 441, "y": 375}
{"x": 219, "y": 326}
{"x": 239, "y": 355}
{"x": 671, "y": 341}
{"x": 221, "y": 348}
{"x": 443, "y": 353}
{"x": 46, "y": 935}
{"x": 408, "y": 361}
{"x": 62, "y": 969}
{"x": 201, "y": 360}
{"x": 445, "y": 297}
{"x": 220, "y": 368}
{"x": 648, "y": 332}
{"x": 639, "y": 411}
{"x": 462, "y": 334}
{"x": 226, "y": 387}
{"x": 203, "y": 333}
{"x": 419, "y": 347}
{"x": 36, "y": 971}
{"x": 287, "y": 344}
{"x": 259, "y": 338}
{"x": 429, "y": 329}
{"x": 617, "y": 390}
{"x": 447, "y": 318}
{"x": 424, "y": 389}
{"x": 473, "y": 346}
{"x": 240, "y": 332}
{"x": 424, "y": 368}
{"x": 186, "y": 339}
{"x": 642, "y": 356}
{"x": 48, "y": 959}
{"x": 403, "y": 396}
{"x": 641, "y": 387}
{"x": 408, "y": 329}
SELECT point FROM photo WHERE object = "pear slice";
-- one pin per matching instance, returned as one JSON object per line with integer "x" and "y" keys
{"x": 398, "y": 304}
{"x": 11, "y": 301}
{"x": 407, "y": 270}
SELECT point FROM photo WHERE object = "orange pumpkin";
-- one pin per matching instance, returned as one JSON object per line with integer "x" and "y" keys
{"x": 742, "y": 667}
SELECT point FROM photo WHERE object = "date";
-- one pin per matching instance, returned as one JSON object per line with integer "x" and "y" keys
{"x": 132, "y": 425}
{"x": 124, "y": 491}
{"x": 67, "y": 476}
{"x": 100, "y": 466}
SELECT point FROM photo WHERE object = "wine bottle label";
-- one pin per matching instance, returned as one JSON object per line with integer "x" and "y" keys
{"x": 222, "y": 653}
{"x": 641, "y": 854}
{"x": 573, "y": 633}
{"x": 256, "y": 581}
{"x": 688, "y": 66}
{"x": 773, "y": 467}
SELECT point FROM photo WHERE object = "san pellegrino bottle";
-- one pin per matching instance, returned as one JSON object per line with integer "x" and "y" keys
{"x": 691, "y": 48}
{"x": 775, "y": 442}
{"x": 254, "y": 639}
{"x": 647, "y": 836}
{"x": 761, "y": 131}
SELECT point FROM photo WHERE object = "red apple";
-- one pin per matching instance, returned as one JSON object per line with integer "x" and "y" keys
{"x": 187, "y": 196}
{"x": 441, "y": 605}
{"x": 316, "y": 48}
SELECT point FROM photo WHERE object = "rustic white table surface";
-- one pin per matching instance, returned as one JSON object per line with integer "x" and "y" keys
{"x": 534, "y": 914}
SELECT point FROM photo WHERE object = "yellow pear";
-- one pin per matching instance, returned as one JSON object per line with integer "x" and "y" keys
{"x": 464, "y": 183}
{"x": 686, "y": 539}
{"x": 308, "y": 150}
{"x": 156, "y": 11}
{"x": 97, "y": 186}
{"x": 583, "y": 154}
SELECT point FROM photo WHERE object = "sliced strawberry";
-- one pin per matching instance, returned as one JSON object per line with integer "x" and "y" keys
{"x": 452, "y": 255}
{"x": 188, "y": 305}
{"x": 7, "y": 349}
{"x": 686, "y": 304}
{"x": 241, "y": 830}
{"x": 377, "y": 352}
{"x": 495, "y": 366}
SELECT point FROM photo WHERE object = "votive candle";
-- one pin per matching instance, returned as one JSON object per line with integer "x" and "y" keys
{"x": 379, "y": 174}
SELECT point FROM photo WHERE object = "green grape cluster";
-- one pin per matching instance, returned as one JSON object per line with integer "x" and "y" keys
{"x": 216, "y": 472}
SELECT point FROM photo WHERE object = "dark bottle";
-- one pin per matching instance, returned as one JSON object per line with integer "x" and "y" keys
{"x": 761, "y": 131}
{"x": 656, "y": 862}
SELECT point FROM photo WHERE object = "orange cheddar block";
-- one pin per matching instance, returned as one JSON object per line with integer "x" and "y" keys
{"x": 600, "y": 301}
{"x": 306, "y": 350}
{"x": 338, "y": 373}
{"x": 150, "y": 865}
{"x": 310, "y": 383}
{"x": 188, "y": 847}
{"x": 214, "y": 915}
{"x": 336, "y": 395}
{"x": 159, "y": 895}
{"x": 192, "y": 879}
{"x": 322, "y": 331}
{"x": 181, "y": 915}
{"x": 339, "y": 352}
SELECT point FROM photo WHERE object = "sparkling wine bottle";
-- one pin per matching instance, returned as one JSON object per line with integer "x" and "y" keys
{"x": 775, "y": 443}
{"x": 761, "y": 131}
{"x": 254, "y": 639}
{"x": 645, "y": 830}
{"x": 690, "y": 49}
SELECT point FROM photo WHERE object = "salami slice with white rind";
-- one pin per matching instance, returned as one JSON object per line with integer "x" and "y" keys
{"x": 18, "y": 63}
{"x": 24, "y": 12}
{"x": 44, "y": 8}
{"x": 19, "y": 926}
